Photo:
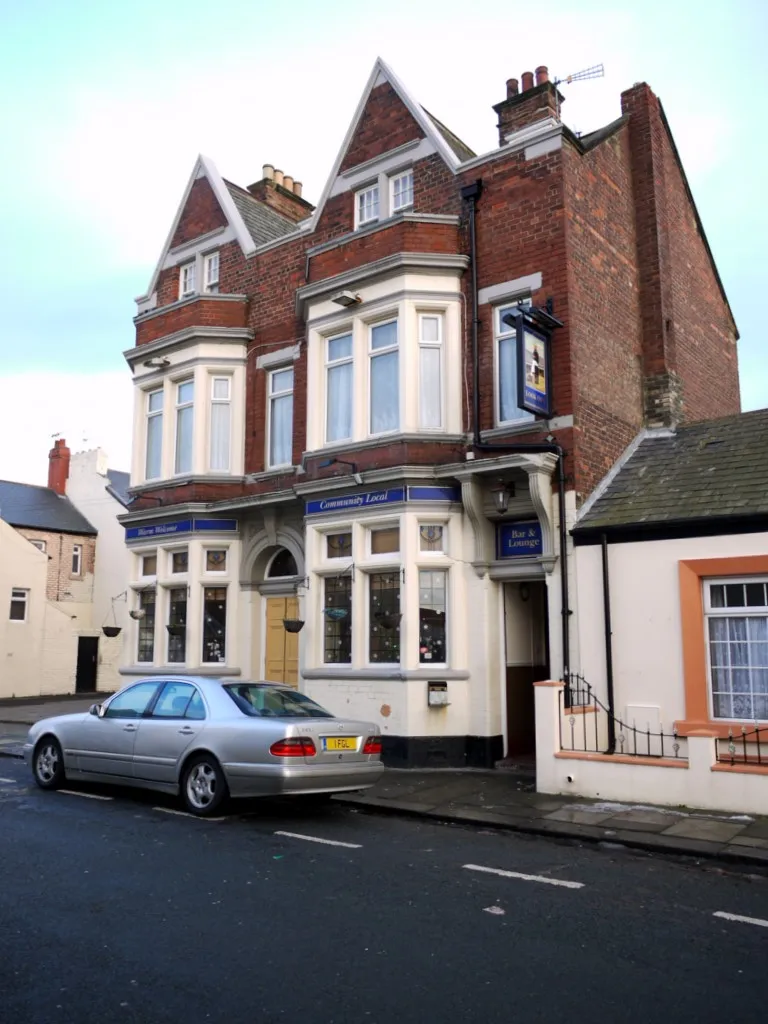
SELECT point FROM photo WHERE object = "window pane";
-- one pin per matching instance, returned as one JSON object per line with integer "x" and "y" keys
{"x": 281, "y": 427}
{"x": 146, "y": 648}
{"x": 186, "y": 392}
{"x": 734, "y": 595}
{"x": 385, "y": 396}
{"x": 215, "y": 560}
{"x": 174, "y": 700}
{"x": 133, "y": 702}
{"x": 220, "y": 434}
{"x": 18, "y": 610}
{"x": 214, "y": 624}
{"x": 339, "y": 417}
{"x": 177, "y": 620}
{"x": 338, "y": 624}
{"x": 282, "y": 380}
{"x": 432, "y": 617}
{"x": 385, "y": 541}
{"x": 180, "y": 561}
{"x": 384, "y": 617}
{"x": 717, "y": 595}
{"x": 384, "y": 335}
{"x": 221, "y": 388}
{"x": 184, "y": 425}
{"x": 154, "y": 446}
{"x": 149, "y": 565}
{"x": 508, "y": 409}
{"x": 430, "y": 388}
{"x": 431, "y": 538}
{"x": 756, "y": 595}
{"x": 339, "y": 348}
{"x": 155, "y": 401}
{"x": 339, "y": 545}
{"x": 430, "y": 328}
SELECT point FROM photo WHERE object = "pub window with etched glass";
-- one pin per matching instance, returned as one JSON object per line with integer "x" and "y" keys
{"x": 737, "y": 637}
{"x": 214, "y": 625}
{"x": 177, "y": 625}
{"x": 384, "y": 617}
{"x": 146, "y": 631}
{"x": 432, "y": 616}
{"x": 337, "y": 613}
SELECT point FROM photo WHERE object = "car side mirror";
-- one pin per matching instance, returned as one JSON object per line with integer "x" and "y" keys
{"x": 97, "y": 709}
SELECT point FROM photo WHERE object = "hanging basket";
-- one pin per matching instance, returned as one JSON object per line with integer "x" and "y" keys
{"x": 176, "y": 630}
{"x": 388, "y": 620}
{"x": 335, "y": 613}
{"x": 137, "y": 613}
{"x": 293, "y": 625}
{"x": 111, "y": 630}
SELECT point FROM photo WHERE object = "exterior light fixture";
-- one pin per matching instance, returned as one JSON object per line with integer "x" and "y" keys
{"x": 356, "y": 476}
{"x": 158, "y": 363}
{"x": 501, "y": 496}
{"x": 345, "y": 298}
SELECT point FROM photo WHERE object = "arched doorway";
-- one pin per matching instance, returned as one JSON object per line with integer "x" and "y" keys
{"x": 281, "y": 648}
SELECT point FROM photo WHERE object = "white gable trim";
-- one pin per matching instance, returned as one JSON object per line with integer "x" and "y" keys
{"x": 383, "y": 73}
{"x": 204, "y": 168}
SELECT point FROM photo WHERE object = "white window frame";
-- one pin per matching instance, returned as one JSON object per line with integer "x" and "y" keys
{"x": 39, "y": 544}
{"x": 216, "y": 572}
{"x": 271, "y": 397}
{"x": 444, "y": 569}
{"x": 331, "y": 364}
{"x": 432, "y": 346}
{"x": 394, "y": 557}
{"x": 19, "y": 595}
{"x": 503, "y": 333}
{"x": 746, "y": 611}
{"x": 149, "y": 415}
{"x": 360, "y": 203}
{"x": 77, "y": 559}
{"x": 180, "y": 407}
{"x": 148, "y": 554}
{"x": 188, "y": 279}
{"x": 218, "y": 378}
{"x": 395, "y": 178}
{"x": 374, "y": 353}
{"x": 211, "y": 270}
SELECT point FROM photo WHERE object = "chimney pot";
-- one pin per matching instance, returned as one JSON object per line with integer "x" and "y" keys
{"x": 278, "y": 177}
{"x": 542, "y": 75}
{"x": 527, "y": 80}
{"x": 513, "y": 88}
{"x": 288, "y": 182}
{"x": 268, "y": 171}
{"x": 58, "y": 466}
{"x": 297, "y": 186}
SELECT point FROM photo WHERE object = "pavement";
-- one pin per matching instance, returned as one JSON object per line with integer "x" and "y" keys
{"x": 504, "y": 799}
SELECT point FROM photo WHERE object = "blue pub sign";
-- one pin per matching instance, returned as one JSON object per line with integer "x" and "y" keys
{"x": 518, "y": 540}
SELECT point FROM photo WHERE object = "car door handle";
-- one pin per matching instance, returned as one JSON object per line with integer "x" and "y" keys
{"x": 186, "y": 731}
{"x": 129, "y": 728}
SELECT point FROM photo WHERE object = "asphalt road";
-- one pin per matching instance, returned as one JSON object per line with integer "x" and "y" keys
{"x": 114, "y": 907}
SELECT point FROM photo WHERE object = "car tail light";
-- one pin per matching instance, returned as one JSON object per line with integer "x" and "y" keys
{"x": 372, "y": 745}
{"x": 293, "y": 746}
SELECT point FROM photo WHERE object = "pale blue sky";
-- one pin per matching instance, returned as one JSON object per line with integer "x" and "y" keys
{"x": 106, "y": 105}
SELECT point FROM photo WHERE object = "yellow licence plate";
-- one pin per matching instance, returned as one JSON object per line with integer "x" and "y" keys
{"x": 340, "y": 743}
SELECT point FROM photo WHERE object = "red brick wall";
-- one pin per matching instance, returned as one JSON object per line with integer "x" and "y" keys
{"x": 281, "y": 199}
{"x": 203, "y": 311}
{"x": 384, "y": 124}
{"x": 201, "y": 214}
{"x": 402, "y": 236}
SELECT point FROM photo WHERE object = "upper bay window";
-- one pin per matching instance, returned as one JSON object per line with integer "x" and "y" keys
{"x": 737, "y": 636}
{"x": 389, "y": 195}
{"x": 384, "y": 378}
{"x": 280, "y": 418}
{"x": 221, "y": 425}
{"x": 430, "y": 372}
{"x": 154, "y": 434}
{"x": 507, "y": 409}
{"x": 185, "y": 422}
{"x": 339, "y": 373}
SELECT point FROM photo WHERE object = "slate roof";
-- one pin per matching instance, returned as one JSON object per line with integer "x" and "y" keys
{"x": 119, "y": 483}
{"x": 704, "y": 471}
{"x": 40, "y": 508}
{"x": 264, "y": 224}
{"x": 461, "y": 149}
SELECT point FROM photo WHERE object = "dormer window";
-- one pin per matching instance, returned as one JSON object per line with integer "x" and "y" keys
{"x": 211, "y": 272}
{"x": 188, "y": 280}
{"x": 367, "y": 206}
{"x": 402, "y": 191}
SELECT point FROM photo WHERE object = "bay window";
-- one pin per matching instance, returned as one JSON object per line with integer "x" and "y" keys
{"x": 432, "y": 616}
{"x": 221, "y": 424}
{"x": 337, "y": 612}
{"x": 384, "y": 617}
{"x": 177, "y": 625}
{"x": 737, "y": 638}
{"x": 430, "y": 372}
{"x": 154, "y": 435}
{"x": 384, "y": 378}
{"x": 146, "y": 632}
{"x": 214, "y": 624}
{"x": 507, "y": 409}
{"x": 280, "y": 418}
{"x": 185, "y": 421}
{"x": 339, "y": 367}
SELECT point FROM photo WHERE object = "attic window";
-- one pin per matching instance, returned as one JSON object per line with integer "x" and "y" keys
{"x": 211, "y": 272}
{"x": 367, "y": 205}
{"x": 188, "y": 280}
{"x": 402, "y": 191}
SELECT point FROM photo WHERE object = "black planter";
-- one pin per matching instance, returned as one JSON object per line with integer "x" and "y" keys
{"x": 388, "y": 620}
{"x": 111, "y": 630}
{"x": 176, "y": 630}
{"x": 293, "y": 625}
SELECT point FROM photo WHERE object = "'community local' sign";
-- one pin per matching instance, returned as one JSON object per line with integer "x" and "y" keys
{"x": 518, "y": 540}
{"x": 372, "y": 499}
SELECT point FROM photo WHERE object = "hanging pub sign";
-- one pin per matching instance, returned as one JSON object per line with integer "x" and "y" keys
{"x": 534, "y": 369}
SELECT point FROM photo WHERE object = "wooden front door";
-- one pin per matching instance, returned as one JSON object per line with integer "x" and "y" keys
{"x": 281, "y": 661}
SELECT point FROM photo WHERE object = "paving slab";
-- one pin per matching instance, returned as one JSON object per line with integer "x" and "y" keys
{"x": 703, "y": 828}
{"x": 577, "y": 817}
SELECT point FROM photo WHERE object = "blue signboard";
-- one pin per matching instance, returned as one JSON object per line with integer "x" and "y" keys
{"x": 534, "y": 370}
{"x": 180, "y": 526}
{"x": 434, "y": 494}
{"x": 518, "y": 540}
{"x": 346, "y": 502}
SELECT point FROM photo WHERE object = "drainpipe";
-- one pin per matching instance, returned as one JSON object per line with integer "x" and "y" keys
{"x": 470, "y": 194}
{"x": 608, "y": 645}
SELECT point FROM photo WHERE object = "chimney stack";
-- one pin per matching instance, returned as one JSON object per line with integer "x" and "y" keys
{"x": 527, "y": 80}
{"x": 281, "y": 192}
{"x": 534, "y": 102}
{"x": 542, "y": 75}
{"x": 513, "y": 88}
{"x": 297, "y": 186}
{"x": 58, "y": 466}
{"x": 278, "y": 177}
{"x": 288, "y": 182}
{"x": 268, "y": 172}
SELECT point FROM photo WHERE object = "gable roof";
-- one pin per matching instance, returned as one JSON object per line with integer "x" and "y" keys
{"x": 118, "y": 485}
{"x": 436, "y": 132}
{"x": 40, "y": 508}
{"x": 263, "y": 224}
{"x": 715, "y": 470}
{"x": 461, "y": 149}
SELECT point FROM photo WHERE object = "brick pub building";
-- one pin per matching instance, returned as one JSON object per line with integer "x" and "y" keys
{"x": 333, "y": 483}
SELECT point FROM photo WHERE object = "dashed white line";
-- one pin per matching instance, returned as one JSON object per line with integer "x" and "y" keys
{"x": 316, "y": 839}
{"x": 184, "y": 814}
{"x": 85, "y": 796}
{"x": 525, "y": 878}
{"x": 744, "y": 920}
{"x": 7, "y": 780}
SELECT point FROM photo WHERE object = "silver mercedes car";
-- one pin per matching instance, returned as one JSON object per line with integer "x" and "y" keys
{"x": 207, "y": 739}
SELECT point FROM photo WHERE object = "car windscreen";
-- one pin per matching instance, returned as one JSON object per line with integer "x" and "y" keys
{"x": 274, "y": 702}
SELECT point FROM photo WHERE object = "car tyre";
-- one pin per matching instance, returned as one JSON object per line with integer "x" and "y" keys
{"x": 48, "y": 763}
{"x": 203, "y": 786}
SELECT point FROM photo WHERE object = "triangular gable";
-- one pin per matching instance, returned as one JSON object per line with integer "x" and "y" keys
{"x": 380, "y": 74}
{"x": 204, "y": 168}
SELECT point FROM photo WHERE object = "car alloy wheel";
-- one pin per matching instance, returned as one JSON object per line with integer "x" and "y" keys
{"x": 48, "y": 764}
{"x": 204, "y": 787}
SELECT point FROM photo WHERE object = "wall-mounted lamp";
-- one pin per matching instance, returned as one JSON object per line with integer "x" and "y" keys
{"x": 342, "y": 462}
{"x": 502, "y": 494}
{"x": 345, "y": 298}
{"x": 158, "y": 363}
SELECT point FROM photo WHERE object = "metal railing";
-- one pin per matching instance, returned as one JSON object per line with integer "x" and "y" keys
{"x": 746, "y": 747}
{"x": 591, "y": 728}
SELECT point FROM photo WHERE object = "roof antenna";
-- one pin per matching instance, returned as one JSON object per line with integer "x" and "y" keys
{"x": 596, "y": 71}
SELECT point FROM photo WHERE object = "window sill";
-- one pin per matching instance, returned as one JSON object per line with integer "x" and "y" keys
{"x": 171, "y": 669}
{"x": 394, "y": 672}
{"x": 719, "y": 729}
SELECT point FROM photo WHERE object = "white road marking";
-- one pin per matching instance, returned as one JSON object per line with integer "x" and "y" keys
{"x": 494, "y": 910}
{"x": 7, "y": 780}
{"x": 316, "y": 839}
{"x": 184, "y": 814}
{"x": 86, "y": 796}
{"x": 744, "y": 920}
{"x": 525, "y": 878}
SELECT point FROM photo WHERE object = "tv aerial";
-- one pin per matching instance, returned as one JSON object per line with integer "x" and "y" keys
{"x": 596, "y": 71}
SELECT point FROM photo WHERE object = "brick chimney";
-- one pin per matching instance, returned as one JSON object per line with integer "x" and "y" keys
{"x": 58, "y": 466}
{"x": 282, "y": 193}
{"x": 532, "y": 103}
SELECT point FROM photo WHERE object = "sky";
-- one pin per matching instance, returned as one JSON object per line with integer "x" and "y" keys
{"x": 106, "y": 106}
